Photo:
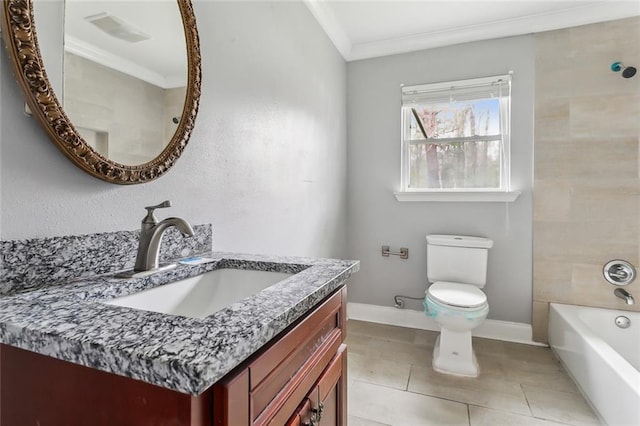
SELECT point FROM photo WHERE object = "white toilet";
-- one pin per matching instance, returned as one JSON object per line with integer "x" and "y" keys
{"x": 457, "y": 270}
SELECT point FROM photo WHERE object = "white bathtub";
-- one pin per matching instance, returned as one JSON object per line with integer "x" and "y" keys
{"x": 603, "y": 359}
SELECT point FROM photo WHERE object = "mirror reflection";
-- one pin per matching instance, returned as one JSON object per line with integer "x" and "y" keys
{"x": 125, "y": 75}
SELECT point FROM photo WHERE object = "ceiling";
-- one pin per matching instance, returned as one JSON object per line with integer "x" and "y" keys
{"x": 369, "y": 28}
{"x": 160, "y": 60}
{"x": 358, "y": 28}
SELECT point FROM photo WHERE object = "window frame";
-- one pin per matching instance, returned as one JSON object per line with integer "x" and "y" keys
{"x": 466, "y": 89}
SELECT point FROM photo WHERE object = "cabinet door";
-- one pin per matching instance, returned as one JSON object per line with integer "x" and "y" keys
{"x": 326, "y": 404}
{"x": 332, "y": 392}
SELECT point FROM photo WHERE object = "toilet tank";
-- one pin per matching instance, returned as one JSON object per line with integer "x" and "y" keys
{"x": 457, "y": 258}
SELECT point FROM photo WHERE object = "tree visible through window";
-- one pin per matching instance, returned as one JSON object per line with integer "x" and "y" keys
{"x": 455, "y": 136}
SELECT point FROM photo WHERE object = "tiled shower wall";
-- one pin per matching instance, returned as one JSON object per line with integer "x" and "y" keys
{"x": 586, "y": 180}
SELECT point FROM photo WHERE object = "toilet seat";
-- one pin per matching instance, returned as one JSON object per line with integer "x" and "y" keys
{"x": 462, "y": 296}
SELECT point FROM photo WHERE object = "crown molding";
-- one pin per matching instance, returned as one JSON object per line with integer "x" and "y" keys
{"x": 118, "y": 63}
{"x": 572, "y": 16}
{"x": 327, "y": 20}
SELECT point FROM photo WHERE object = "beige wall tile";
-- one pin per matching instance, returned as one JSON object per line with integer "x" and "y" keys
{"x": 540, "y": 323}
{"x": 588, "y": 284}
{"x": 136, "y": 106}
{"x": 586, "y": 158}
{"x": 552, "y": 200}
{"x": 552, "y": 117}
{"x": 582, "y": 242}
{"x": 552, "y": 281}
{"x": 606, "y": 200}
{"x": 605, "y": 116}
{"x": 553, "y": 81}
{"x": 552, "y": 107}
{"x": 585, "y": 276}
{"x": 618, "y": 38}
{"x": 553, "y": 48}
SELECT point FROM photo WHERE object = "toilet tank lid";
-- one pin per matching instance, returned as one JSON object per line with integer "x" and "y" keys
{"x": 459, "y": 241}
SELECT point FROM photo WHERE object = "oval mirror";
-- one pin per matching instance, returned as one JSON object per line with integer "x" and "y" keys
{"x": 131, "y": 83}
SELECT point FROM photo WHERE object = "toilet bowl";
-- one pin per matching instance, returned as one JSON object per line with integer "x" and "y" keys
{"x": 457, "y": 269}
{"x": 458, "y": 309}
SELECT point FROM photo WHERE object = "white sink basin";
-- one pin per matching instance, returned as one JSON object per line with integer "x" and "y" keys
{"x": 202, "y": 295}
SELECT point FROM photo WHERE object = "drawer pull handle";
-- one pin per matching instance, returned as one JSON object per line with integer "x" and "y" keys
{"x": 316, "y": 416}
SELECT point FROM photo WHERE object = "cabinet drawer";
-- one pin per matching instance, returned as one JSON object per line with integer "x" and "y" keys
{"x": 293, "y": 364}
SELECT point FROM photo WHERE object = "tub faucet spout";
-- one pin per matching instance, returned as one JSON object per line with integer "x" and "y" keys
{"x": 624, "y": 295}
{"x": 151, "y": 234}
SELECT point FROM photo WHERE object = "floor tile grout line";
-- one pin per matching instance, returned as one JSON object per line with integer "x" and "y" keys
{"x": 521, "y": 415}
{"x": 458, "y": 401}
{"x": 381, "y": 385}
{"x": 406, "y": 388}
{"x": 555, "y": 390}
{"x": 526, "y": 399}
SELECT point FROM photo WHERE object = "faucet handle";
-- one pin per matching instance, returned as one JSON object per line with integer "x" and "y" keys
{"x": 149, "y": 218}
{"x": 162, "y": 205}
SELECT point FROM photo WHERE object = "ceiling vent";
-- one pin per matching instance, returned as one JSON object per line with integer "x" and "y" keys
{"x": 116, "y": 27}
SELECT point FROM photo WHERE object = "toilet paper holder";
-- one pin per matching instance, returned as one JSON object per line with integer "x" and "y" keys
{"x": 403, "y": 253}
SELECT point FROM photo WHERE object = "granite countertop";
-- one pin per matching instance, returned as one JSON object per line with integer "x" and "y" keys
{"x": 188, "y": 355}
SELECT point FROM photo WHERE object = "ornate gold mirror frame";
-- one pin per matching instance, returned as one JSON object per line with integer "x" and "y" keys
{"x": 19, "y": 33}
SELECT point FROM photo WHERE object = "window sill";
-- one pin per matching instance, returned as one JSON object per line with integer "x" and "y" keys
{"x": 488, "y": 196}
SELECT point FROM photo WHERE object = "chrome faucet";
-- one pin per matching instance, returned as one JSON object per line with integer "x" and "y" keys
{"x": 624, "y": 295}
{"x": 151, "y": 234}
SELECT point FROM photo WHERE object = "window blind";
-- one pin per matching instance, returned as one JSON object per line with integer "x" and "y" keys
{"x": 457, "y": 91}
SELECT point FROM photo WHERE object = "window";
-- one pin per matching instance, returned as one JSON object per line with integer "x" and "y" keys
{"x": 455, "y": 136}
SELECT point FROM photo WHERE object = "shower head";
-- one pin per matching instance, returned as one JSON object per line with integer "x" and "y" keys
{"x": 627, "y": 72}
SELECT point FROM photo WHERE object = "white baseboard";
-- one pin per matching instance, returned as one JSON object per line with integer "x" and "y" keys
{"x": 490, "y": 329}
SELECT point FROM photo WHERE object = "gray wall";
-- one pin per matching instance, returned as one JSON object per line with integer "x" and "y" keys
{"x": 376, "y": 218}
{"x": 266, "y": 163}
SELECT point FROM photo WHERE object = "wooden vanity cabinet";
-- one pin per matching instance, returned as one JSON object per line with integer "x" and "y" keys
{"x": 299, "y": 378}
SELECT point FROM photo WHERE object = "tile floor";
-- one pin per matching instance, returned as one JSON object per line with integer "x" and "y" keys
{"x": 391, "y": 382}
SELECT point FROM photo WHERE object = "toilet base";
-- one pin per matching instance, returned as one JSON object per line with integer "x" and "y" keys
{"x": 453, "y": 354}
